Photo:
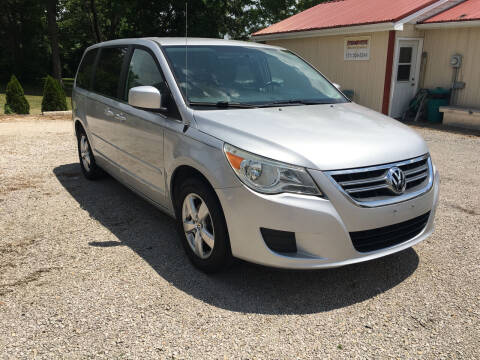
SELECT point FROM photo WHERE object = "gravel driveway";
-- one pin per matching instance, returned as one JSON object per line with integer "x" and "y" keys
{"x": 88, "y": 269}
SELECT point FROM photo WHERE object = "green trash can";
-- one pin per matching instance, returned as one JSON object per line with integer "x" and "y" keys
{"x": 436, "y": 98}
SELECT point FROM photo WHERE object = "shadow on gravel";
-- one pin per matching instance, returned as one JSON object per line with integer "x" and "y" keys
{"x": 244, "y": 287}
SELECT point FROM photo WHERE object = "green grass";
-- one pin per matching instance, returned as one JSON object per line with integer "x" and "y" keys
{"x": 33, "y": 94}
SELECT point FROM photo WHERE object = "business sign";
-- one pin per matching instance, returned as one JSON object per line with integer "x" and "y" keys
{"x": 357, "y": 48}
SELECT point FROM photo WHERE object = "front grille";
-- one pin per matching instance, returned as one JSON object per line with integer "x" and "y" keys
{"x": 369, "y": 186}
{"x": 380, "y": 238}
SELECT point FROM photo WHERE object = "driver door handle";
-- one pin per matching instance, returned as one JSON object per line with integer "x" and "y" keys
{"x": 120, "y": 117}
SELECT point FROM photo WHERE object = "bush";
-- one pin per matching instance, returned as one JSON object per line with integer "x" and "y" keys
{"x": 8, "y": 110}
{"x": 54, "y": 98}
{"x": 16, "y": 103}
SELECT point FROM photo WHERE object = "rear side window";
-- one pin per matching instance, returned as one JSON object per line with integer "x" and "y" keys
{"x": 85, "y": 69}
{"x": 143, "y": 71}
{"x": 107, "y": 73}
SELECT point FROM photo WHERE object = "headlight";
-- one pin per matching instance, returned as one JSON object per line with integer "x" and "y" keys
{"x": 269, "y": 176}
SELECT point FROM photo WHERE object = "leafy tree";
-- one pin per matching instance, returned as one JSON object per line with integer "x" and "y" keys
{"x": 51, "y": 6}
{"x": 16, "y": 103}
{"x": 28, "y": 27}
{"x": 95, "y": 25}
{"x": 54, "y": 98}
{"x": 22, "y": 29}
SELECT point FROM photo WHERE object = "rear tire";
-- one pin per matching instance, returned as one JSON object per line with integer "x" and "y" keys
{"x": 202, "y": 226}
{"x": 89, "y": 167}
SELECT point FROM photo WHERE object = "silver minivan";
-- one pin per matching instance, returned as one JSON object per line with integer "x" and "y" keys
{"x": 254, "y": 152}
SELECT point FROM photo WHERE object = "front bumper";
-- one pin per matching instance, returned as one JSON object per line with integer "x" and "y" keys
{"x": 321, "y": 226}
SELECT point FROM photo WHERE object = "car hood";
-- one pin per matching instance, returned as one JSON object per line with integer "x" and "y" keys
{"x": 323, "y": 137}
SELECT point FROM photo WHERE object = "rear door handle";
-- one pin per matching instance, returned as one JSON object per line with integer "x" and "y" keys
{"x": 120, "y": 117}
{"x": 108, "y": 112}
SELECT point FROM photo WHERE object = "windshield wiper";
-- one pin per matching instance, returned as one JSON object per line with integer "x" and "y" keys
{"x": 295, "y": 102}
{"x": 222, "y": 104}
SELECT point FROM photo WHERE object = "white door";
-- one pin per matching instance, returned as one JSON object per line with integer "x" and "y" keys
{"x": 405, "y": 76}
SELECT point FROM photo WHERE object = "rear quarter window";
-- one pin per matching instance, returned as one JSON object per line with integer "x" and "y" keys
{"x": 85, "y": 70}
{"x": 109, "y": 68}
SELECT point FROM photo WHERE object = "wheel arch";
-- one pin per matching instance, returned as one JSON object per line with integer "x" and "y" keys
{"x": 188, "y": 172}
{"x": 78, "y": 127}
{"x": 185, "y": 171}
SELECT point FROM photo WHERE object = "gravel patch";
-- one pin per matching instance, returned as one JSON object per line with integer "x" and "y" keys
{"x": 90, "y": 270}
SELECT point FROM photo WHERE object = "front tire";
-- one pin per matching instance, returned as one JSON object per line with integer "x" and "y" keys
{"x": 202, "y": 226}
{"x": 89, "y": 167}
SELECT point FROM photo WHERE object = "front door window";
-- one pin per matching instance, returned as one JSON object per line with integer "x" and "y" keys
{"x": 404, "y": 63}
{"x": 143, "y": 71}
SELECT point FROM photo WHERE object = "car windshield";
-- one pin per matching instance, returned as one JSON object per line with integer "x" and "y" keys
{"x": 254, "y": 76}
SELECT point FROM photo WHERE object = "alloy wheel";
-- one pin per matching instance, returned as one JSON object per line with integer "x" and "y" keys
{"x": 198, "y": 225}
{"x": 85, "y": 152}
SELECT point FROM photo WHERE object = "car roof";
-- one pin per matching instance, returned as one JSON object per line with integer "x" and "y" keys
{"x": 172, "y": 41}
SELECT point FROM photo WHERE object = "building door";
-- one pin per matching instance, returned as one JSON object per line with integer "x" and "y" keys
{"x": 405, "y": 76}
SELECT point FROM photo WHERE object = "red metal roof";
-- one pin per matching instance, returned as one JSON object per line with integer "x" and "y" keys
{"x": 465, "y": 11}
{"x": 342, "y": 13}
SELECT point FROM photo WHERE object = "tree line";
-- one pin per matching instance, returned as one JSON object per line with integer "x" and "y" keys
{"x": 49, "y": 36}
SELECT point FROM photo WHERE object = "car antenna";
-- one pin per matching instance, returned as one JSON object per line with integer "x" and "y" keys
{"x": 186, "y": 50}
{"x": 185, "y": 127}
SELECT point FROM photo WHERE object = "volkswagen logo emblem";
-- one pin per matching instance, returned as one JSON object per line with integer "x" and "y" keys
{"x": 396, "y": 180}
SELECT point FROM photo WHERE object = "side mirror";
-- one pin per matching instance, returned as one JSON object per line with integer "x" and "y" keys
{"x": 145, "y": 97}
{"x": 337, "y": 86}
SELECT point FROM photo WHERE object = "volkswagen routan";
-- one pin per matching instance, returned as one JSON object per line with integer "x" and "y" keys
{"x": 256, "y": 154}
